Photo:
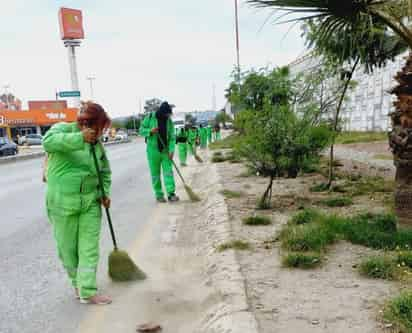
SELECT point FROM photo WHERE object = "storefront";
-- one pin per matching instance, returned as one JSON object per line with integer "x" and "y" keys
{"x": 20, "y": 123}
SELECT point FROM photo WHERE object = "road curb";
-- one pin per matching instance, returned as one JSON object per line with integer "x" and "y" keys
{"x": 232, "y": 314}
{"x": 16, "y": 158}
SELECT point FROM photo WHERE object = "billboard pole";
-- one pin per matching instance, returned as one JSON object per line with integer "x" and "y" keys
{"x": 71, "y": 48}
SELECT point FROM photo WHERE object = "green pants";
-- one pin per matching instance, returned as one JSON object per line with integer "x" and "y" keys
{"x": 77, "y": 234}
{"x": 182, "y": 147}
{"x": 157, "y": 162}
{"x": 218, "y": 136}
{"x": 203, "y": 141}
{"x": 192, "y": 148}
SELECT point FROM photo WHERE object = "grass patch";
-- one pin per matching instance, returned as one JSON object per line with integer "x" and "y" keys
{"x": 302, "y": 260}
{"x": 218, "y": 159}
{"x": 247, "y": 173}
{"x": 369, "y": 185}
{"x": 307, "y": 215}
{"x": 380, "y": 267}
{"x": 399, "y": 312}
{"x": 257, "y": 220}
{"x": 383, "y": 157}
{"x": 235, "y": 245}
{"x": 307, "y": 237}
{"x": 322, "y": 187}
{"x": 228, "y": 194}
{"x": 338, "y": 202}
{"x": 357, "y": 137}
{"x": 227, "y": 143}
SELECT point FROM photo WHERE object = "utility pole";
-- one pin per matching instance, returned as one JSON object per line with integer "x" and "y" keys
{"x": 214, "y": 98}
{"x": 237, "y": 40}
{"x": 91, "y": 79}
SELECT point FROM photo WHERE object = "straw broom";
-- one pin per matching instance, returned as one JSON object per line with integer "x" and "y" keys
{"x": 121, "y": 266}
{"x": 191, "y": 194}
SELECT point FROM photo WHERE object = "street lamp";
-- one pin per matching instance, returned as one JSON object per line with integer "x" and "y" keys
{"x": 91, "y": 79}
{"x": 237, "y": 39}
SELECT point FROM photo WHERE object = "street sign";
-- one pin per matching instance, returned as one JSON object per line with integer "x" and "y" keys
{"x": 63, "y": 94}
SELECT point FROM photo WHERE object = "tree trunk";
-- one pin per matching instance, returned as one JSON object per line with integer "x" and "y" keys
{"x": 400, "y": 140}
{"x": 336, "y": 121}
{"x": 267, "y": 196}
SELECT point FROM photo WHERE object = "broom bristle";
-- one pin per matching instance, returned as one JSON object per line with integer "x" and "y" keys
{"x": 122, "y": 268}
{"x": 192, "y": 195}
{"x": 198, "y": 158}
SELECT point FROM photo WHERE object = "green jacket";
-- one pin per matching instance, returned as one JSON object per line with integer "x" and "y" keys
{"x": 71, "y": 168}
{"x": 149, "y": 123}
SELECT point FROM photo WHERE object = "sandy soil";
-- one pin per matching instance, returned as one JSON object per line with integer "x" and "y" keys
{"x": 333, "y": 298}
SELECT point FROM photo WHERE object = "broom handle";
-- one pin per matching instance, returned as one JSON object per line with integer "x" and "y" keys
{"x": 173, "y": 162}
{"x": 99, "y": 177}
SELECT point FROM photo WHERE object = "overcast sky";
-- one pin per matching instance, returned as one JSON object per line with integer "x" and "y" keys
{"x": 174, "y": 50}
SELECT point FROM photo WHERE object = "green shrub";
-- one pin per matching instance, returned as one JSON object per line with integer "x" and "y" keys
{"x": 368, "y": 185}
{"x": 234, "y": 244}
{"x": 302, "y": 260}
{"x": 379, "y": 267}
{"x": 218, "y": 159}
{"x": 257, "y": 220}
{"x": 399, "y": 311}
{"x": 306, "y": 216}
{"x": 404, "y": 258}
{"x": 307, "y": 237}
{"x": 338, "y": 202}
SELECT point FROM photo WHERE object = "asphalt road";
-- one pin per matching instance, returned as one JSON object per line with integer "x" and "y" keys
{"x": 35, "y": 295}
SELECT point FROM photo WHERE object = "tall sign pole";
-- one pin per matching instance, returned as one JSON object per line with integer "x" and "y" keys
{"x": 71, "y": 48}
{"x": 91, "y": 79}
{"x": 71, "y": 32}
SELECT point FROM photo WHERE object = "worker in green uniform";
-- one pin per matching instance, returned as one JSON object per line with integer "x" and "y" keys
{"x": 203, "y": 137}
{"x": 209, "y": 134}
{"x": 218, "y": 135}
{"x": 74, "y": 199}
{"x": 182, "y": 144}
{"x": 159, "y": 131}
{"x": 192, "y": 140}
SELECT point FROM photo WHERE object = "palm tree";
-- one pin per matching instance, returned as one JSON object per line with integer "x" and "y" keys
{"x": 342, "y": 17}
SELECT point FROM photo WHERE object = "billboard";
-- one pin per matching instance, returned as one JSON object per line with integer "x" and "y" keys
{"x": 38, "y": 117}
{"x": 71, "y": 23}
{"x": 47, "y": 105}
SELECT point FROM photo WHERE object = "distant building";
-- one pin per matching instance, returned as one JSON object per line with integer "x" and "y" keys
{"x": 369, "y": 103}
{"x": 9, "y": 102}
{"x": 203, "y": 117}
{"x": 47, "y": 105}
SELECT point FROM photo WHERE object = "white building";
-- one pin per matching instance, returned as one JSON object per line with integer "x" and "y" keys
{"x": 369, "y": 103}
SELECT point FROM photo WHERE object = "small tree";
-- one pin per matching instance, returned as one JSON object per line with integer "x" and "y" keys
{"x": 152, "y": 105}
{"x": 189, "y": 119}
{"x": 222, "y": 118}
{"x": 277, "y": 142}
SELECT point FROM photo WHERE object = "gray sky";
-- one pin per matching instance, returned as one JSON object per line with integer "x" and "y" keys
{"x": 174, "y": 50}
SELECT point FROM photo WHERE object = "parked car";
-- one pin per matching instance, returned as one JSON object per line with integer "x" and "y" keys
{"x": 31, "y": 140}
{"x": 7, "y": 147}
{"x": 121, "y": 136}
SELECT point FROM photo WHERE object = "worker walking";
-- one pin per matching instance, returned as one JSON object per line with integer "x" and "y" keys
{"x": 74, "y": 199}
{"x": 182, "y": 144}
{"x": 217, "y": 132}
{"x": 192, "y": 140}
{"x": 159, "y": 132}
{"x": 203, "y": 137}
{"x": 209, "y": 134}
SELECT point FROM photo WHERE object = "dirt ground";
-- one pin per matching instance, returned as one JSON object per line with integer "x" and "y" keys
{"x": 333, "y": 298}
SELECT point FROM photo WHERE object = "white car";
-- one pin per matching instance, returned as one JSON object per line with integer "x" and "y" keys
{"x": 121, "y": 136}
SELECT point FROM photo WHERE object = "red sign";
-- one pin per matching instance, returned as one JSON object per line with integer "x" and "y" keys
{"x": 71, "y": 23}
{"x": 47, "y": 105}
